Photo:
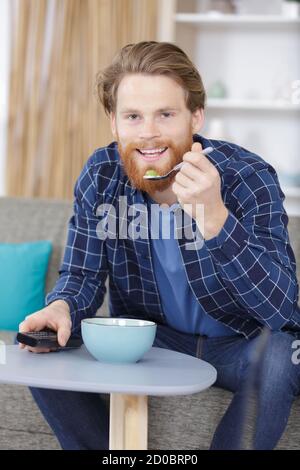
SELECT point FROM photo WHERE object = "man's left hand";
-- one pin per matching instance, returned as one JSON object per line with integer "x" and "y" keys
{"x": 199, "y": 182}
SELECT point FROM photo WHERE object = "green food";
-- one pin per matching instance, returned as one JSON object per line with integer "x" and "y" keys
{"x": 151, "y": 173}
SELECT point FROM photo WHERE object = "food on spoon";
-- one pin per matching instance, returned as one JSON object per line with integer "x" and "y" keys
{"x": 151, "y": 173}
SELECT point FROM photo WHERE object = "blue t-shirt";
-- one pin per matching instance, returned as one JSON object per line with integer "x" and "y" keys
{"x": 180, "y": 306}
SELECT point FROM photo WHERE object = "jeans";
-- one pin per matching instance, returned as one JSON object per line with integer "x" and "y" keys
{"x": 259, "y": 372}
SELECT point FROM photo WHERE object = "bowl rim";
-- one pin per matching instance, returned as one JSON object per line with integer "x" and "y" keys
{"x": 90, "y": 320}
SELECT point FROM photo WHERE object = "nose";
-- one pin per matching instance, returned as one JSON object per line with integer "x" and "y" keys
{"x": 149, "y": 129}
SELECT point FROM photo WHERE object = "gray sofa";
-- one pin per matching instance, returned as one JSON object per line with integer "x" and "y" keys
{"x": 174, "y": 422}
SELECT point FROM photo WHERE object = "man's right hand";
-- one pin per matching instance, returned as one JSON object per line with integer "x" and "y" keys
{"x": 55, "y": 316}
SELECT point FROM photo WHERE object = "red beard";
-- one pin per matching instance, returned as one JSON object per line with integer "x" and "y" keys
{"x": 135, "y": 167}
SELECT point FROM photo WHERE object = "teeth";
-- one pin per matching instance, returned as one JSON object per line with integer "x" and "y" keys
{"x": 152, "y": 151}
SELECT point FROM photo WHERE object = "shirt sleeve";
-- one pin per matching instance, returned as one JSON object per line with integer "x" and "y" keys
{"x": 252, "y": 252}
{"x": 83, "y": 271}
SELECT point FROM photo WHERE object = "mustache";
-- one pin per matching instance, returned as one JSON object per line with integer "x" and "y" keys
{"x": 136, "y": 145}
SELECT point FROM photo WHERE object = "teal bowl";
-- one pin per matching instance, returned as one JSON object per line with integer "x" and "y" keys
{"x": 118, "y": 340}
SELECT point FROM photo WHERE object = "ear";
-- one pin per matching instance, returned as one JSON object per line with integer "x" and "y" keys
{"x": 112, "y": 118}
{"x": 197, "y": 120}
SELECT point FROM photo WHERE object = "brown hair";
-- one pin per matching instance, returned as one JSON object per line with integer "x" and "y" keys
{"x": 154, "y": 58}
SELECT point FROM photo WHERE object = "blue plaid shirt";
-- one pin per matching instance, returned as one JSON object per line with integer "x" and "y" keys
{"x": 245, "y": 277}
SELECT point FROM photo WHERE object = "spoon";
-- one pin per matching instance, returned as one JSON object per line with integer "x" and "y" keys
{"x": 205, "y": 151}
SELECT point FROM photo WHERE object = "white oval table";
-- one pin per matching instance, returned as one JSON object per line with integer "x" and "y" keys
{"x": 160, "y": 372}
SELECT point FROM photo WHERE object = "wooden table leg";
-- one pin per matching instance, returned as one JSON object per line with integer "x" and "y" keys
{"x": 128, "y": 429}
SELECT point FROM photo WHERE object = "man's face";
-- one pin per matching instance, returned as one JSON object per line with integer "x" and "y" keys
{"x": 153, "y": 127}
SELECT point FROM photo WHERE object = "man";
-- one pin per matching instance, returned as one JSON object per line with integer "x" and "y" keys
{"x": 211, "y": 295}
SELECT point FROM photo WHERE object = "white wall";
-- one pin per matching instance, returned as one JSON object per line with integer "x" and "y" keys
{"x": 4, "y": 75}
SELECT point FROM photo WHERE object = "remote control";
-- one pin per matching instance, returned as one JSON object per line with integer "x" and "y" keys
{"x": 46, "y": 339}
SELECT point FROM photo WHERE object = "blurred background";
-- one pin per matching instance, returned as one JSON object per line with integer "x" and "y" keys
{"x": 247, "y": 52}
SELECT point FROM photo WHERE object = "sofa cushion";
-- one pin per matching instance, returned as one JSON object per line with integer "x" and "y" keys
{"x": 23, "y": 270}
{"x": 26, "y": 219}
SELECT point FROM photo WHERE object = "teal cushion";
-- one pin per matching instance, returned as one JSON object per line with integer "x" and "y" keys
{"x": 23, "y": 270}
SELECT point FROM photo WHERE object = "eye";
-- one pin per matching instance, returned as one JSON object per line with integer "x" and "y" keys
{"x": 132, "y": 117}
{"x": 166, "y": 114}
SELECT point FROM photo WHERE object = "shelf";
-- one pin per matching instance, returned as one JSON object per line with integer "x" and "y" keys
{"x": 291, "y": 192}
{"x": 226, "y": 19}
{"x": 268, "y": 105}
{"x": 292, "y": 200}
{"x": 249, "y": 43}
